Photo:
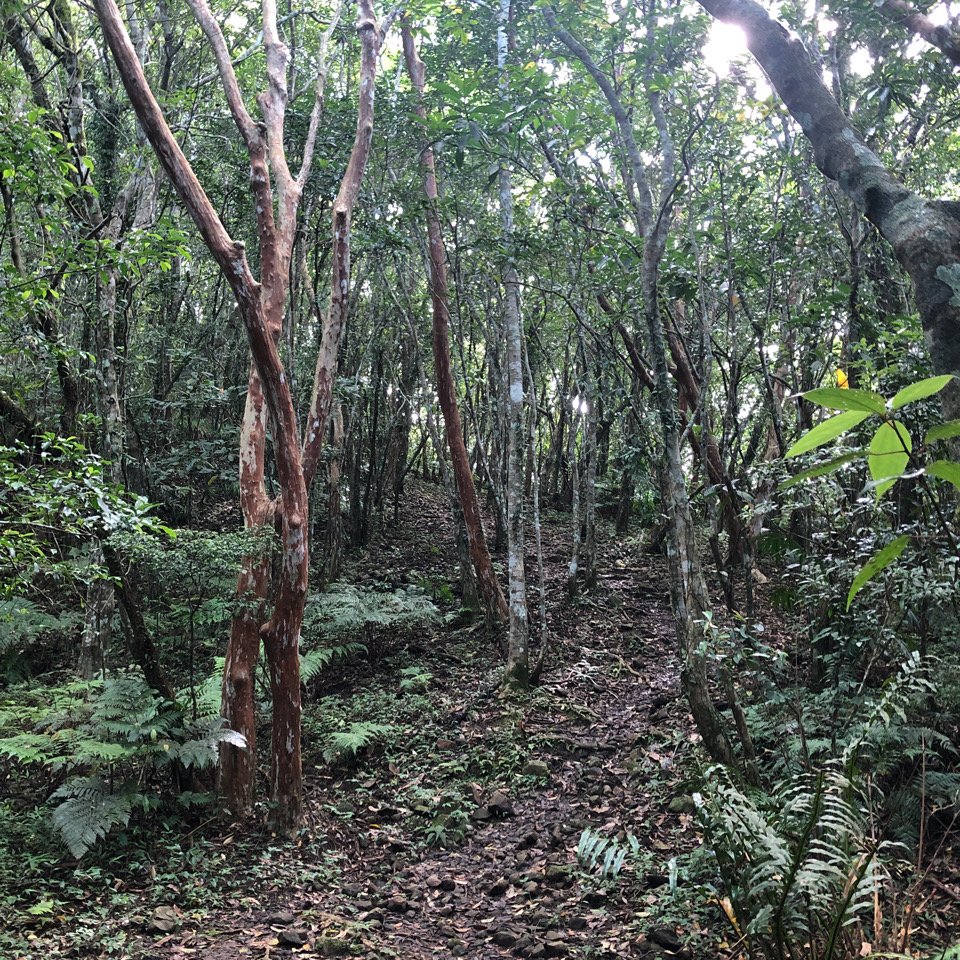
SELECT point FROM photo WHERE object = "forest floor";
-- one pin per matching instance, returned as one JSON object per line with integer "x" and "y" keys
{"x": 456, "y": 835}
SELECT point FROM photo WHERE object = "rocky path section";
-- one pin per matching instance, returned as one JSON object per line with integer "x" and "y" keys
{"x": 601, "y": 743}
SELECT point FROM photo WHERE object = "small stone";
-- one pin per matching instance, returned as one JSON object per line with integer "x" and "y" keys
{"x": 481, "y": 813}
{"x": 432, "y": 882}
{"x": 292, "y": 938}
{"x": 499, "y": 888}
{"x": 500, "y": 803}
{"x": 163, "y": 920}
{"x": 332, "y": 947}
{"x": 528, "y": 840}
{"x": 558, "y": 873}
{"x": 448, "y": 884}
{"x": 280, "y": 918}
{"x": 682, "y": 804}
{"x": 397, "y": 904}
{"x": 665, "y": 937}
{"x": 444, "y": 744}
{"x": 536, "y": 768}
{"x": 505, "y": 938}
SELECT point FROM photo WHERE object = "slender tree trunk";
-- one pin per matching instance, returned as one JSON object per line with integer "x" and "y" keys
{"x": 576, "y": 523}
{"x": 517, "y": 671}
{"x": 687, "y": 587}
{"x": 334, "y": 552}
{"x": 537, "y": 531}
{"x": 590, "y": 421}
{"x": 495, "y": 605}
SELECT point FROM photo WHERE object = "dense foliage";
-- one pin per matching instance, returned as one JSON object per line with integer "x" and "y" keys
{"x": 676, "y": 315}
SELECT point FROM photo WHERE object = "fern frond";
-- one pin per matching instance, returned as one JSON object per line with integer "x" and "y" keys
{"x": 343, "y": 744}
{"x": 89, "y": 812}
{"x": 203, "y": 750}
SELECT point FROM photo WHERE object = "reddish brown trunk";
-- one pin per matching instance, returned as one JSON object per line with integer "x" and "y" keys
{"x": 491, "y": 594}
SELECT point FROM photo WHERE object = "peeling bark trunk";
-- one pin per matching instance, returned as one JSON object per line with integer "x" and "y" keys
{"x": 261, "y": 307}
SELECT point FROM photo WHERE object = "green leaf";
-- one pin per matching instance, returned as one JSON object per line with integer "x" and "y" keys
{"x": 948, "y": 470}
{"x": 943, "y": 431}
{"x": 822, "y": 469}
{"x": 890, "y": 451}
{"x": 827, "y": 431}
{"x": 919, "y": 390}
{"x": 837, "y": 399}
{"x": 879, "y": 561}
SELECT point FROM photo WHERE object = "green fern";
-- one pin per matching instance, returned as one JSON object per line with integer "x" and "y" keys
{"x": 114, "y": 737}
{"x": 605, "y": 855}
{"x": 89, "y": 812}
{"x": 799, "y": 865}
{"x": 344, "y": 609}
{"x": 314, "y": 662}
{"x": 346, "y": 744}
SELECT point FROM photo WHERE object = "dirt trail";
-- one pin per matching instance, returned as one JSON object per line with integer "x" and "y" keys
{"x": 601, "y": 743}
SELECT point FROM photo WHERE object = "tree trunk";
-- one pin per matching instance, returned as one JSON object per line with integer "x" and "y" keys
{"x": 924, "y": 234}
{"x": 517, "y": 672}
{"x": 495, "y": 605}
{"x": 687, "y": 588}
{"x": 261, "y": 307}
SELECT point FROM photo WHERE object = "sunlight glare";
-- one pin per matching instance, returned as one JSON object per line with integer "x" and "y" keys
{"x": 725, "y": 42}
{"x": 861, "y": 62}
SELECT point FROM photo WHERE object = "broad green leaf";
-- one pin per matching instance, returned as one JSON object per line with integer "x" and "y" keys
{"x": 943, "y": 431}
{"x": 879, "y": 561}
{"x": 841, "y": 398}
{"x": 890, "y": 451}
{"x": 948, "y": 470}
{"x": 827, "y": 431}
{"x": 919, "y": 390}
{"x": 822, "y": 469}
{"x": 883, "y": 486}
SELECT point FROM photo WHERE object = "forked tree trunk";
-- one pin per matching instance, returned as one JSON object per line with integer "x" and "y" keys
{"x": 261, "y": 307}
{"x": 495, "y": 605}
